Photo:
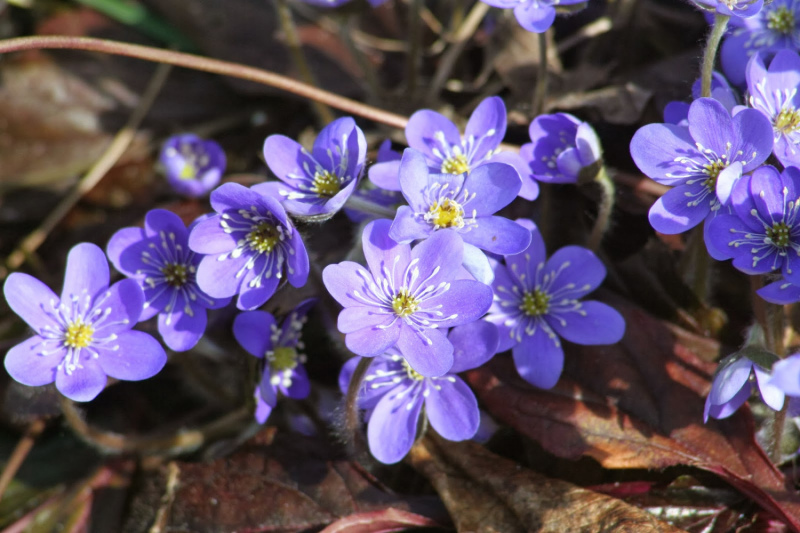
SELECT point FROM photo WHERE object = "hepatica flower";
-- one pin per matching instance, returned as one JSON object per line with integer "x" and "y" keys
{"x": 373, "y": 194}
{"x": 85, "y": 334}
{"x": 701, "y": 162}
{"x": 250, "y": 244}
{"x": 773, "y": 91}
{"x": 537, "y": 301}
{"x": 562, "y": 146}
{"x": 279, "y": 346}
{"x": 732, "y": 8}
{"x": 394, "y": 394}
{"x": 159, "y": 259}
{"x": 193, "y": 166}
{"x": 763, "y": 234}
{"x": 733, "y": 384}
{"x": 406, "y": 297}
{"x": 464, "y": 203}
{"x": 533, "y": 15}
{"x": 447, "y": 152}
{"x": 776, "y": 27}
{"x": 317, "y": 182}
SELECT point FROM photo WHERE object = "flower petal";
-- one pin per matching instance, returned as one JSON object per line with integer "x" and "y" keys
{"x": 772, "y": 395}
{"x": 452, "y": 409}
{"x": 431, "y": 355}
{"x": 539, "y": 359}
{"x": 407, "y": 227}
{"x": 477, "y": 264}
{"x": 593, "y": 323}
{"x": 252, "y": 330}
{"x": 125, "y": 250}
{"x": 494, "y": 185}
{"x": 729, "y": 379}
{"x": 497, "y": 235}
{"x": 786, "y": 375}
{"x": 754, "y": 131}
{"x": 710, "y": 125}
{"x": 87, "y": 270}
{"x": 344, "y": 279}
{"x": 83, "y": 384}
{"x": 574, "y": 269}
{"x": 372, "y": 341}
{"x": 26, "y": 365}
{"x": 218, "y": 278}
{"x": 655, "y": 147}
{"x": 392, "y": 426}
{"x": 487, "y": 126}
{"x": 675, "y": 211}
{"x": 780, "y": 292}
{"x": 354, "y": 318}
{"x": 208, "y": 237}
{"x": 439, "y": 259}
{"x": 301, "y": 386}
{"x": 386, "y": 175}
{"x": 31, "y": 299}
{"x": 467, "y": 299}
{"x": 422, "y": 129}
{"x": 139, "y": 357}
{"x": 381, "y": 251}
{"x": 180, "y": 330}
{"x": 473, "y": 345}
{"x": 122, "y": 304}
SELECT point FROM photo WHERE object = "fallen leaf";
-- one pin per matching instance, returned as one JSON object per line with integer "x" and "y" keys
{"x": 379, "y": 522}
{"x": 485, "y": 492}
{"x": 637, "y": 404}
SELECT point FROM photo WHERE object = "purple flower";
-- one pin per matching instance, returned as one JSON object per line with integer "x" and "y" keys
{"x": 562, "y": 146}
{"x": 250, "y": 245}
{"x": 83, "y": 336}
{"x": 780, "y": 292}
{"x": 533, "y": 15}
{"x": 537, "y": 302}
{"x": 158, "y": 258}
{"x": 733, "y": 384}
{"x": 447, "y": 152}
{"x": 394, "y": 394}
{"x": 773, "y": 91}
{"x": 786, "y": 378}
{"x": 407, "y": 297}
{"x": 775, "y": 27}
{"x": 259, "y": 334}
{"x": 193, "y": 166}
{"x": 678, "y": 112}
{"x": 316, "y": 183}
{"x": 701, "y": 162}
{"x": 763, "y": 234}
{"x": 464, "y": 203}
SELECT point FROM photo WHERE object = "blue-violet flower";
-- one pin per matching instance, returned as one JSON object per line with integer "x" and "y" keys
{"x": 533, "y": 15}
{"x": 562, "y": 146}
{"x": 537, "y": 302}
{"x": 733, "y": 384}
{"x": 83, "y": 336}
{"x": 250, "y": 243}
{"x": 193, "y": 166}
{"x": 406, "y": 297}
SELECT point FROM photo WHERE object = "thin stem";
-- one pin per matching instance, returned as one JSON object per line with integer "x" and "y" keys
{"x": 695, "y": 264}
{"x": 109, "y": 158}
{"x": 178, "y": 443}
{"x": 365, "y": 206}
{"x": 324, "y": 114}
{"x": 604, "y": 208}
{"x": 414, "y": 44}
{"x": 710, "y": 53}
{"x": 540, "y": 93}
{"x": 348, "y": 28}
{"x": 19, "y": 454}
{"x": 448, "y": 61}
{"x": 778, "y": 422}
{"x": 205, "y": 64}
{"x": 352, "y": 417}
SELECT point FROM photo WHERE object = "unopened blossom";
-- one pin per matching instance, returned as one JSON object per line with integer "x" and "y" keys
{"x": 250, "y": 246}
{"x": 394, "y": 394}
{"x": 279, "y": 346}
{"x": 733, "y": 384}
{"x": 84, "y": 335}
{"x": 159, "y": 259}
{"x": 464, "y": 203}
{"x": 562, "y": 147}
{"x": 533, "y": 15}
{"x": 773, "y": 91}
{"x": 537, "y": 302}
{"x": 448, "y": 152}
{"x": 701, "y": 162}
{"x": 406, "y": 297}
{"x": 193, "y": 166}
{"x": 318, "y": 182}
{"x": 776, "y": 27}
{"x": 763, "y": 233}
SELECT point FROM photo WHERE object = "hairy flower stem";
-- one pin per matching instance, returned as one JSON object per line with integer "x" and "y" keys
{"x": 323, "y": 112}
{"x": 604, "y": 208}
{"x": 710, "y": 53}
{"x": 355, "y": 443}
{"x": 540, "y": 93}
{"x": 205, "y": 64}
{"x": 695, "y": 265}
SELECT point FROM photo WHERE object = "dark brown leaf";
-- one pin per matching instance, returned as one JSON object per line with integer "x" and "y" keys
{"x": 485, "y": 493}
{"x": 638, "y": 404}
{"x": 379, "y": 522}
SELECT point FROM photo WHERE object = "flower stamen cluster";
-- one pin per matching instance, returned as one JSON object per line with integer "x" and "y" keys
{"x": 781, "y": 20}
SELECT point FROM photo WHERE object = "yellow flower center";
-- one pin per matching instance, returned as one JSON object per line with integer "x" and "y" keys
{"x": 456, "y": 164}
{"x": 412, "y": 374}
{"x": 404, "y": 304}
{"x": 781, "y": 20}
{"x": 713, "y": 170}
{"x": 79, "y": 335}
{"x": 446, "y": 214}
{"x": 779, "y": 234}
{"x": 175, "y": 274}
{"x": 326, "y": 184}
{"x": 788, "y": 120}
{"x": 189, "y": 171}
{"x": 283, "y": 358}
{"x": 263, "y": 237}
{"x": 535, "y": 303}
